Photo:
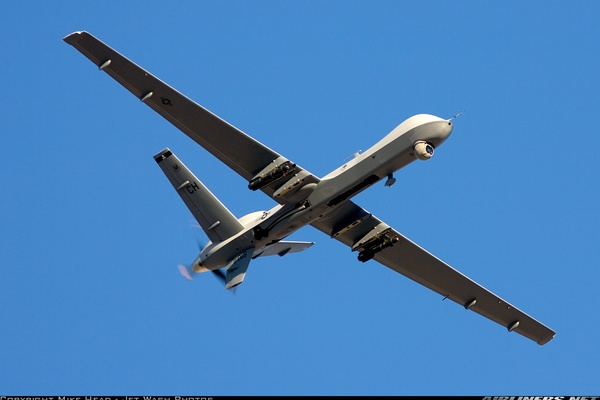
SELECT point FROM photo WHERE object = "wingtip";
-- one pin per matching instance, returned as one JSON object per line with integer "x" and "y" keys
{"x": 162, "y": 155}
{"x": 546, "y": 339}
{"x": 72, "y": 37}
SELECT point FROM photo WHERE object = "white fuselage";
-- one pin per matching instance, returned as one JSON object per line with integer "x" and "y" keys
{"x": 394, "y": 151}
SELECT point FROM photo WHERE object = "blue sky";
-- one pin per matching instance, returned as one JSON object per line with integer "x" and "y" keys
{"x": 91, "y": 301}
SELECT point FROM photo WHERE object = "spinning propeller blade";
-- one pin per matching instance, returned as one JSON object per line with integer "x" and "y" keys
{"x": 186, "y": 272}
{"x": 220, "y": 275}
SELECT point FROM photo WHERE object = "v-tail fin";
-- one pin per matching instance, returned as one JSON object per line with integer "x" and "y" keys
{"x": 236, "y": 269}
{"x": 214, "y": 218}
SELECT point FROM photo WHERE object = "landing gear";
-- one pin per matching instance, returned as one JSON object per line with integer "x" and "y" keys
{"x": 390, "y": 180}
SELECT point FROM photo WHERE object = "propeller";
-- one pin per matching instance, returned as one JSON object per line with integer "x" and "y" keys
{"x": 186, "y": 270}
{"x": 220, "y": 275}
{"x": 188, "y": 273}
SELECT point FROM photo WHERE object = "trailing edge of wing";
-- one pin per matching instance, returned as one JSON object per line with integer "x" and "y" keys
{"x": 350, "y": 223}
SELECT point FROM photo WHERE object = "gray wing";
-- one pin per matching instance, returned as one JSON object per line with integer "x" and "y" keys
{"x": 349, "y": 223}
{"x": 245, "y": 155}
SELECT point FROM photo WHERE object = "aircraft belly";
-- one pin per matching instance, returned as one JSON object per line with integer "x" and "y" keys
{"x": 363, "y": 172}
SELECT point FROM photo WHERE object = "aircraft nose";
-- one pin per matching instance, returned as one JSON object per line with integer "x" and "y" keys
{"x": 448, "y": 129}
{"x": 442, "y": 130}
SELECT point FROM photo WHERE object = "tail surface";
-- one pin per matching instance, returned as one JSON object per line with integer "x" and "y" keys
{"x": 214, "y": 218}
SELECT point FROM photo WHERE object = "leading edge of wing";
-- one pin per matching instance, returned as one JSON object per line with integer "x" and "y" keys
{"x": 242, "y": 153}
{"x": 350, "y": 223}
